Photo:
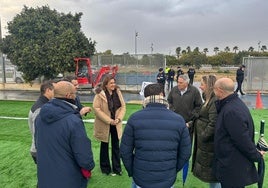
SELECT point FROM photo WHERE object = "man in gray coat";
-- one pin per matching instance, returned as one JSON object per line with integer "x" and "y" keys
{"x": 46, "y": 94}
{"x": 185, "y": 99}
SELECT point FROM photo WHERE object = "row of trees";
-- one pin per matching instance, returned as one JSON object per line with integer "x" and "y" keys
{"x": 197, "y": 58}
{"x": 216, "y": 50}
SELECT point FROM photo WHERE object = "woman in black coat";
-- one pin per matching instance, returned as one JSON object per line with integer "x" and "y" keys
{"x": 203, "y": 153}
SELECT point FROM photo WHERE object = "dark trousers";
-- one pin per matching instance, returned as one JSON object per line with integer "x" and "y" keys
{"x": 34, "y": 157}
{"x": 170, "y": 84}
{"x": 239, "y": 87}
{"x": 104, "y": 154}
{"x": 163, "y": 88}
{"x": 191, "y": 80}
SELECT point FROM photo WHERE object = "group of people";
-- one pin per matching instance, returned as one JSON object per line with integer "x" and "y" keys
{"x": 157, "y": 140}
{"x": 169, "y": 76}
{"x": 220, "y": 129}
{"x": 64, "y": 157}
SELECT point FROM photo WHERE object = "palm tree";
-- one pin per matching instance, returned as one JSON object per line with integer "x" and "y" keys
{"x": 183, "y": 52}
{"x": 235, "y": 48}
{"x": 263, "y": 48}
{"x": 196, "y": 49}
{"x": 250, "y": 49}
{"x": 205, "y": 50}
{"x": 188, "y": 49}
{"x": 216, "y": 49}
{"x": 178, "y": 51}
{"x": 227, "y": 49}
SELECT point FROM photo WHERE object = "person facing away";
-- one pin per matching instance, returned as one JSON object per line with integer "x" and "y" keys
{"x": 64, "y": 157}
{"x": 179, "y": 72}
{"x": 109, "y": 108}
{"x": 240, "y": 79}
{"x": 191, "y": 73}
{"x": 235, "y": 150}
{"x": 204, "y": 126}
{"x": 161, "y": 79}
{"x": 185, "y": 100}
{"x": 170, "y": 77}
{"x": 46, "y": 94}
{"x": 155, "y": 143}
{"x": 82, "y": 109}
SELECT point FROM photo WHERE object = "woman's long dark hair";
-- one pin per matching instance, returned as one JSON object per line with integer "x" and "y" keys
{"x": 106, "y": 80}
{"x": 112, "y": 99}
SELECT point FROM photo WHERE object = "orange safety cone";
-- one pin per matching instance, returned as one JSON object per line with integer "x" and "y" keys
{"x": 258, "y": 100}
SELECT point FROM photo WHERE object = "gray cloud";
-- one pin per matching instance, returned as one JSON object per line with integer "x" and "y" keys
{"x": 165, "y": 23}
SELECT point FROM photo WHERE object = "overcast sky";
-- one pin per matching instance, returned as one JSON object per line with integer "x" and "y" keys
{"x": 166, "y": 24}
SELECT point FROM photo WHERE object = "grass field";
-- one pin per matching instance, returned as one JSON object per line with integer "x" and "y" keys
{"x": 17, "y": 169}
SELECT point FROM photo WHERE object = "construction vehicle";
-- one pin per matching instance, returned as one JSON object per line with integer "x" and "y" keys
{"x": 88, "y": 76}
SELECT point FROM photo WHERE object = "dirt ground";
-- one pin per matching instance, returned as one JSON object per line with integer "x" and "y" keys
{"x": 200, "y": 73}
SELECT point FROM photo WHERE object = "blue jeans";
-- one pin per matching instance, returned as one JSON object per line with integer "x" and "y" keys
{"x": 214, "y": 185}
{"x": 136, "y": 186}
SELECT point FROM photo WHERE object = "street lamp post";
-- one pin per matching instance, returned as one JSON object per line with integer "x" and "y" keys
{"x": 136, "y": 35}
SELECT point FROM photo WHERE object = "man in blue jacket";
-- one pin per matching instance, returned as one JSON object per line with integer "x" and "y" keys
{"x": 155, "y": 143}
{"x": 64, "y": 157}
{"x": 235, "y": 150}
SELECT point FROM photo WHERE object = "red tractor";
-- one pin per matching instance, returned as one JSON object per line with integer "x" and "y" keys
{"x": 87, "y": 76}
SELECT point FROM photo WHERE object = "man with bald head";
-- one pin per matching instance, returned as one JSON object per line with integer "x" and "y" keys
{"x": 235, "y": 150}
{"x": 64, "y": 157}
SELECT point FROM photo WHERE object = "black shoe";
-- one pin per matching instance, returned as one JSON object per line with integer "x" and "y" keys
{"x": 106, "y": 173}
{"x": 242, "y": 93}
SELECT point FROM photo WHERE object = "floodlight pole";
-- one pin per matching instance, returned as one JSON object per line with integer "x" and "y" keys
{"x": 136, "y": 35}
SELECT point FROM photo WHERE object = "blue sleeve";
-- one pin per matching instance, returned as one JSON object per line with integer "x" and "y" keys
{"x": 126, "y": 149}
{"x": 81, "y": 146}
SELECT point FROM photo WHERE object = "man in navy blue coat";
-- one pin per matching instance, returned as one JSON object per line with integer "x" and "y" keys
{"x": 155, "y": 143}
{"x": 235, "y": 150}
{"x": 64, "y": 157}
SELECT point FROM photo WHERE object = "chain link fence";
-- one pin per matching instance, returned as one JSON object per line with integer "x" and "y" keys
{"x": 133, "y": 69}
{"x": 256, "y": 74}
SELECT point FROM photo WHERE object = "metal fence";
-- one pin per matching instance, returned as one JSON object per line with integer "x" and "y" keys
{"x": 256, "y": 74}
{"x": 133, "y": 69}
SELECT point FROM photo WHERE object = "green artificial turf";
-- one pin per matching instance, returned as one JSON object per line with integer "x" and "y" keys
{"x": 17, "y": 169}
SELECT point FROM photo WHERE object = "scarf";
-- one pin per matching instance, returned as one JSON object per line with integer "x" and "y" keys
{"x": 113, "y": 102}
{"x": 155, "y": 99}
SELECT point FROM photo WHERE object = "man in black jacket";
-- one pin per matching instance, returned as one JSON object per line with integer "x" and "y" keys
{"x": 240, "y": 79}
{"x": 235, "y": 150}
{"x": 161, "y": 79}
